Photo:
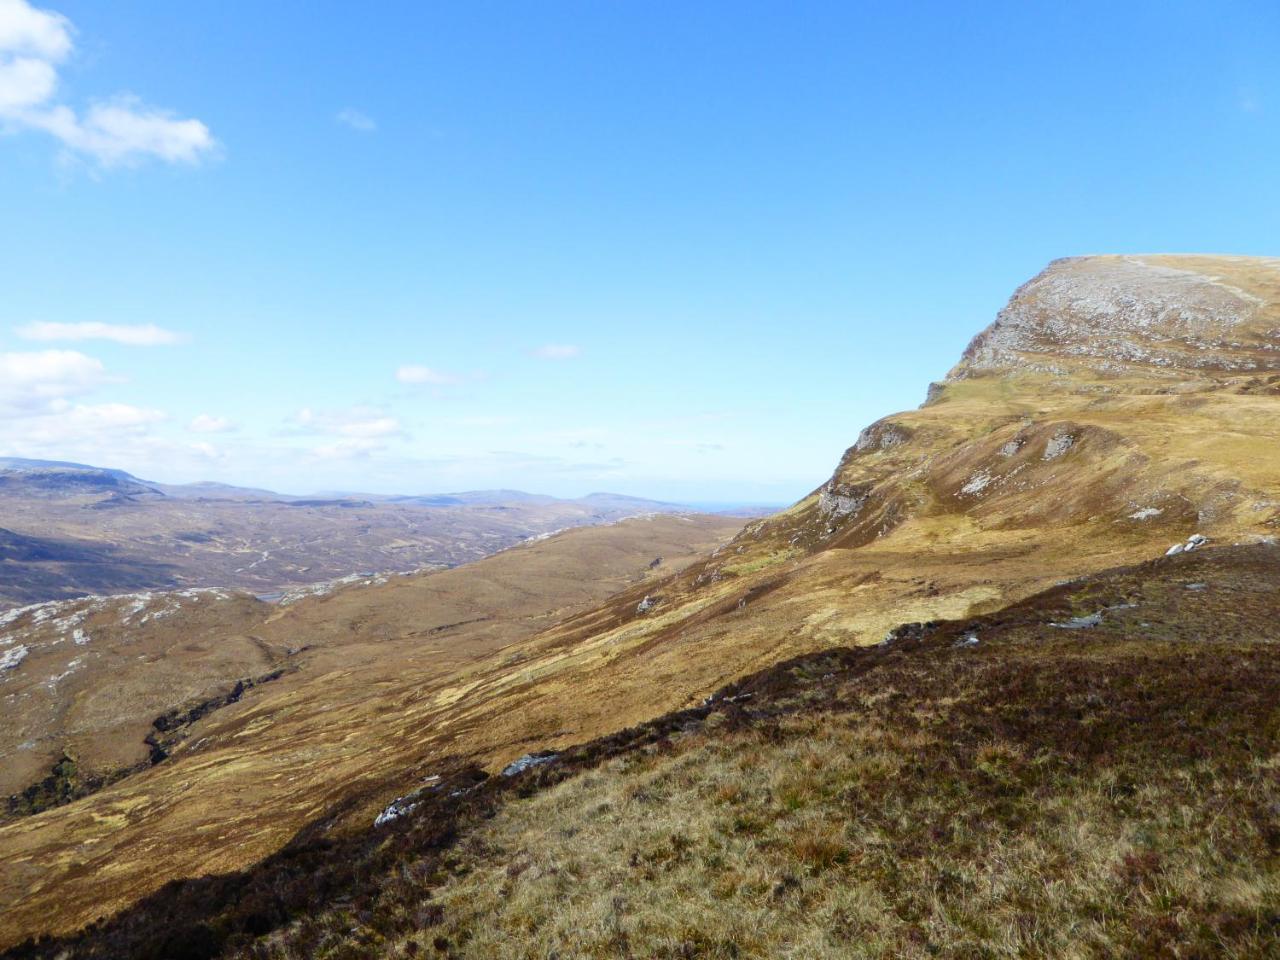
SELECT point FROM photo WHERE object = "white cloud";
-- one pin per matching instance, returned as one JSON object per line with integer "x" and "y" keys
{"x": 376, "y": 427}
{"x": 40, "y": 33}
{"x": 206, "y": 423}
{"x": 349, "y": 449}
{"x": 42, "y": 413}
{"x": 352, "y": 433}
{"x": 123, "y": 130}
{"x": 118, "y": 131}
{"x": 356, "y": 423}
{"x": 106, "y": 434}
{"x": 139, "y": 335}
{"x": 557, "y": 351}
{"x": 31, "y": 381}
{"x": 415, "y": 374}
{"x": 25, "y": 82}
{"x": 93, "y": 419}
{"x": 356, "y": 120}
{"x": 91, "y": 432}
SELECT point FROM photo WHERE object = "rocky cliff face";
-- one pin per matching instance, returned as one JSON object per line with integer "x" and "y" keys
{"x": 1132, "y": 392}
{"x": 1161, "y": 316}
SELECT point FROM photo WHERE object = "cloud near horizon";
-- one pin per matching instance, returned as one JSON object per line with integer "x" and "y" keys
{"x": 356, "y": 432}
{"x": 353, "y": 422}
{"x": 32, "y": 382}
{"x": 206, "y": 423}
{"x": 119, "y": 130}
{"x": 135, "y": 335}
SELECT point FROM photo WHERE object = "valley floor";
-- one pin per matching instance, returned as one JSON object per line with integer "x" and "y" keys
{"x": 1092, "y": 772}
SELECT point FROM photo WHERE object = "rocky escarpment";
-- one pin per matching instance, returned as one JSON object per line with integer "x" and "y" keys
{"x": 1115, "y": 315}
{"x": 1101, "y": 394}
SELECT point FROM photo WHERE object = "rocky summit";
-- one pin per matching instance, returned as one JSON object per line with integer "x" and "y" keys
{"x": 1190, "y": 317}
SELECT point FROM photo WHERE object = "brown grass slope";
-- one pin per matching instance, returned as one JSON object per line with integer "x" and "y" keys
{"x": 365, "y": 667}
{"x": 1116, "y": 406}
{"x": 1052, "y": 790}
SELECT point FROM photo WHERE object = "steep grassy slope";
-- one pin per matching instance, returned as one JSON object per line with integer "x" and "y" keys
{"x": 1092, "y": 772}
{"x": 95, "y": 673}
{"x": 1117, "y": 406}
{"x": 365, "y": 669}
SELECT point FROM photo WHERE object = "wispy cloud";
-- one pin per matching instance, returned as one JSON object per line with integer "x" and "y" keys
{"x": 702, "y": 446}
{"x": 352, "y": 448}
{"x": 356, "y": 432}
{"x": 350, "y": 117}
{"x": 557, "y": 351}
{"x": 353, "y": 422}
{"x": 416, "y": 374}
{"x": 139, "y": 335}
{"x": 206, "y": 450}
{"x": 206, "y": 423}
{"x": 92, "y": 418}
{"x": 117, "y": 131}
{"x": 483, "y": 420}
{"x": 100, "y": 433}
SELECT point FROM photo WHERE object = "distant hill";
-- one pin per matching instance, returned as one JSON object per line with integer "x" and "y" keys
{"x": 49, "y": 479}
{"x": 86, "y": 529}
{"x": 209, "y": 490}
{"x": 23, "y": 465}
{"x": 57, "y": 474}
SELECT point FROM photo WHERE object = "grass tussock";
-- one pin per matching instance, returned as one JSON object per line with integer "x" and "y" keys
{"x": 978, "y": 829}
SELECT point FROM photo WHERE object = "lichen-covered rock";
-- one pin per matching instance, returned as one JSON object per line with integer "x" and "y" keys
{"x": 881, "y": 435}
{"x": 528, "y": 762}
{"x": 836, "y": 501}
{"x": 1195, "y": 541}
{"x": 1080, "y": 623}
{"x": 401, "y": 806}
{"x": 1058, "y": 445}
{"x": 976, "y": 484}
{"x": 9, "y": 659}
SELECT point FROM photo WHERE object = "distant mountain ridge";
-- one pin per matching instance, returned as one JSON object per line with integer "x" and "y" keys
{"x": 81, "y": 529}
{"x": 210, "y": 489}
{"x": 52, "y": 478}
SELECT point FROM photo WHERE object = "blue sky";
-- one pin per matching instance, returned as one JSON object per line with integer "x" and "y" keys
{"x": 678, "y": 250}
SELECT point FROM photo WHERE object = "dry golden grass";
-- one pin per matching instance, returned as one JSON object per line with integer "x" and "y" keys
{"x": 1108, "y": 792}
{"x": 750, "y": 848}
{"x": 380, "y": 691}
{"x": 1048, "y": 793}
